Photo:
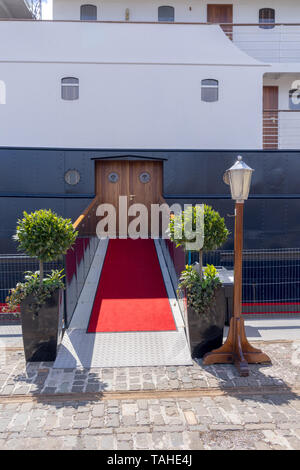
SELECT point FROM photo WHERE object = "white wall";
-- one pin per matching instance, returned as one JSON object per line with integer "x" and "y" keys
{"x": 128, "y": 103}
{"x": 280, "y": 44}
{"x": 244, "y": 11}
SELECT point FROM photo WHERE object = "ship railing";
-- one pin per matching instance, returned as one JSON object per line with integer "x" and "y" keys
{"x": 266, "y": 42}
{"x": 281, "y": 129}
{"x": 79, "y": 258}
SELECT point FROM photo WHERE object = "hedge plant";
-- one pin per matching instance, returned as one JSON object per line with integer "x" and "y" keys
{"x": 200, "y": 292}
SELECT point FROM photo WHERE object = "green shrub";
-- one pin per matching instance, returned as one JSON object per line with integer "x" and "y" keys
{"x": 215, "y": 231}
{"x": 199, "y": 292}
{"x": 33, "y": 286}
{"x": 44, "y": 235}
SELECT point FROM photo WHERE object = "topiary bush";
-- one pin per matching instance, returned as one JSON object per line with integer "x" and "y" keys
{"x": 44, "y": 235}
{"x": 215, "y": 230}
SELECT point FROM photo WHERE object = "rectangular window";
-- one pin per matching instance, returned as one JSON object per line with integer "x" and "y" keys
{"x": 209, "y": 90}
{"x": 88, "y": 13}
{"x": 70, "y": 88}
{"x": 266, "y": 15}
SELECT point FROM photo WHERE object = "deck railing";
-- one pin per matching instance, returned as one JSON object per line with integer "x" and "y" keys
{"x": 271, "y": 43}
{"x": 79, "y": 258}
{"x": 278, "y": 42}
{"x": 281, "y": 129}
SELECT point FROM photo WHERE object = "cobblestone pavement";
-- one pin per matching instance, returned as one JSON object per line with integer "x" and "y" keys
{"x": 17, "y": 379}
{"x": 227, "y": 422}
{"x": 166, "y": 408}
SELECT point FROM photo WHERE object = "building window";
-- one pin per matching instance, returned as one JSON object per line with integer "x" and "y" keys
{"x": 70, "y": 88}
{"x": 88, "y": 13}
{"x": 267, "y": 15}
{"x": 166, "y": 13}
{"x": 209, "y": 90}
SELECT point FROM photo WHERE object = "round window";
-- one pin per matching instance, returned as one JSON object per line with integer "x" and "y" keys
{"x": 72, "y": 177}
{"x": 113, "y": 177}
{"x": 145, "y": 177}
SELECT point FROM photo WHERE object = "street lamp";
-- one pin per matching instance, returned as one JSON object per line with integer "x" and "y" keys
{"x": 236, "y": 348}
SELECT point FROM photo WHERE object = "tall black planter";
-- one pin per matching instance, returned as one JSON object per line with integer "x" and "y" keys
{"x": 42, "y": 329}
{"x": 206, "y": 329}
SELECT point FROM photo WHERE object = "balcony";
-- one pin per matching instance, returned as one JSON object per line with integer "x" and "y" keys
{"x": 275, "y": 43}
{"x": 281, "y": 129}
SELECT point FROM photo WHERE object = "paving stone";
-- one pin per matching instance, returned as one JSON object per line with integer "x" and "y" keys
{"x": 142, "y": 441}
{"x": 158, "y": 420}
{"x": 262, "y": 446}
{"x": 98, "y": 410}
{"x": 113, "y": 421}
{"x": 193, "y": 441}
{"x": 107, "y": 442}
{"x": 129, "y": 421}
{"x": 4, "y": 423}
{"x": 176, "y": 439}
{"x": 129, "y": 409}
{"x": 142, "y": 404}
{"x": 81, "y": 416}
{"x": 190, "y": 417}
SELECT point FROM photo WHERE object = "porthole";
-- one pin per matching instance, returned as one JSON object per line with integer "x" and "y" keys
{"x": 72, "y": 177}
{"x": 113, "y": 177}
{"x": 145, "y": 177}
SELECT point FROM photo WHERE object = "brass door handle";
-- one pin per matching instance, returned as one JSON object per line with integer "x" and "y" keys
{"x": 131, "y": 196}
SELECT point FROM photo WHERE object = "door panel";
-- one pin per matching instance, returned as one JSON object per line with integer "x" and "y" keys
{"x": 270, "y": 117}
{"x": 221, "y": 14}
{"x": 139, "y": 181}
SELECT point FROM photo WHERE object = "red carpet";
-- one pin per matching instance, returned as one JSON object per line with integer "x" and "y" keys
{"x": 131, "y": 294}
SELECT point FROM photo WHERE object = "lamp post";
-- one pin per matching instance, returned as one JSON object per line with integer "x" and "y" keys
{"x": 236, "y": 348}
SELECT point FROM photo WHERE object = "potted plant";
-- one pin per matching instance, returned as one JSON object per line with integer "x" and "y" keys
{"x": 205, "y": 295}
{"x": 206, "y": 307}
{"x": 46, "y": 236}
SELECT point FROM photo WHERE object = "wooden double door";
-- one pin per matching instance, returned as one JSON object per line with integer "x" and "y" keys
{"x": 138, "y": 180}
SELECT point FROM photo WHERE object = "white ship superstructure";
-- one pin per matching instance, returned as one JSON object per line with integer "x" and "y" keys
{"x": 185, "y": 86}
{"x": 143, "y": 74}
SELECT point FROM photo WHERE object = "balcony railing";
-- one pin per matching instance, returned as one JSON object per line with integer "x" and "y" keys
{"x": 281, "y": 129}
{"x": 276, "y": 42}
